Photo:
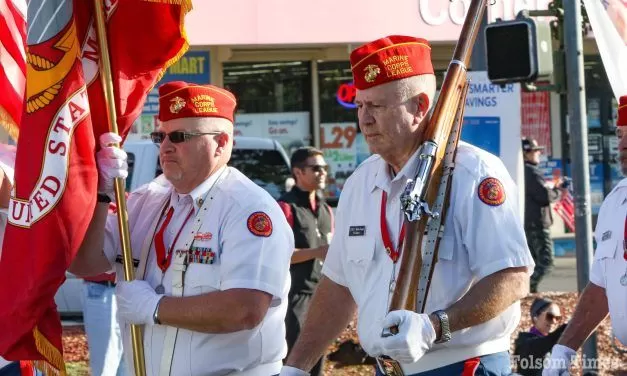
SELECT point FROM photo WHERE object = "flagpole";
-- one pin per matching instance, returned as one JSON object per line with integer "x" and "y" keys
{"x": 107, "y": 83}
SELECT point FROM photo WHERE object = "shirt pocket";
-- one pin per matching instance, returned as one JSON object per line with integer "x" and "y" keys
{"x": 359, "y": 256}
{"x": 606, "y": 249}
{"x": 201, "y": 279}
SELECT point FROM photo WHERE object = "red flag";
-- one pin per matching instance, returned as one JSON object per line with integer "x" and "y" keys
{"x": 56, "y": 176}
{"x": 12, "y": 63}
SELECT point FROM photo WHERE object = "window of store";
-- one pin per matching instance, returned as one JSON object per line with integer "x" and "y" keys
{"x": 274, "y": 100}
{"x": 266, "y": 87}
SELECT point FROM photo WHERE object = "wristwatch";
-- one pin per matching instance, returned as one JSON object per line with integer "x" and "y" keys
{"x": 444, "y": 327}
{"x": 104, "y": 198}
{"x": 155, "y": 315}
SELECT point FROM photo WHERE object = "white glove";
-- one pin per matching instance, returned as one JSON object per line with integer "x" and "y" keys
{"x": 292, "y": 371}
{"x": 111, "y": 162}
{"x": 370, "y": 338}
{"x": 136, "y": 302}
{"x": 559, "y": 363}
{"x": 414, "y": 338}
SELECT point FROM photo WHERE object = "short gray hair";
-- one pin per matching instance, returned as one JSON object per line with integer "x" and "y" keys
{"x": 411, "y": 86}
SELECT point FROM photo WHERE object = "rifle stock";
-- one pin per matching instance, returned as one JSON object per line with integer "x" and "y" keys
{"x": 438, "y": 130}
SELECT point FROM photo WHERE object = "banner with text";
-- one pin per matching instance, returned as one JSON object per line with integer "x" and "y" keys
{"x": 291, "y": 129}
{"x": 344, "y": 149}
{"x": 492, "y": 121}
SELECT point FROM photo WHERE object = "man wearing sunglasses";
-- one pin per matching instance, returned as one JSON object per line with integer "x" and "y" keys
{"x": 312, "y": 223}
{"x": 606, "y": 291}
{"x": 212, "y": 247}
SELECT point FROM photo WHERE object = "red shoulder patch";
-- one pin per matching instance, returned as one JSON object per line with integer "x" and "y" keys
{"x": 491, "y": 191}
{"x": 259, "y": 224}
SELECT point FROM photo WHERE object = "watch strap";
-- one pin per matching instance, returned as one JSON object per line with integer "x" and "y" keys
{"x": 104, "y": 198}
{"x": 445, "y": 329}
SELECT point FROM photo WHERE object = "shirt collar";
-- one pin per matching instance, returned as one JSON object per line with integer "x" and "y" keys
{"x": 197, "y": 194}
{"x": 385, "y": 177}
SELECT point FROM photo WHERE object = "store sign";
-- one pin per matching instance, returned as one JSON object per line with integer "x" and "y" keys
{"x": 437, "y": 12}
{"x": 344, "y": 149}
{"x": 346, "y": 95}
{"x": 291, "y": 129}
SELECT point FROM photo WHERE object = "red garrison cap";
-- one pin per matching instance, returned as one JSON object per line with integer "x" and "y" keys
{"x": 180, "y": 99}
{"x": 391, "y": 58}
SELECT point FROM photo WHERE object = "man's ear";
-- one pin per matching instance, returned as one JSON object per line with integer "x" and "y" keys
{"x": 421, "y": 102}
{"x": 223, "y": 141}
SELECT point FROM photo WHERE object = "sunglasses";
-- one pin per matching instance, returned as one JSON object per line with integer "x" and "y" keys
{"x": 318, "y": 168}
{"x": 176, "y": 137}
{"x": 552, "y": 317}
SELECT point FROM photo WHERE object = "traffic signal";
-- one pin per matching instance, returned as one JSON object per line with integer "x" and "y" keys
{"x": 519, "y": 50}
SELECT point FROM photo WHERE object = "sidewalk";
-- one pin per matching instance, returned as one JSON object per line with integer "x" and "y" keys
{"x": 563, "y": 277}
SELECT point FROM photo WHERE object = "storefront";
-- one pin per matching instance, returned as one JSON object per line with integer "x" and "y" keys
{"x": 287, "y": 63}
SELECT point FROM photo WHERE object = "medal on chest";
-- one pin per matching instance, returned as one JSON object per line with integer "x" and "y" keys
{"x": 164, "y": 257}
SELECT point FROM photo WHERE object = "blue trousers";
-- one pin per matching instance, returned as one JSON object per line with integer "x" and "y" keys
{"x": 489, "y": 365}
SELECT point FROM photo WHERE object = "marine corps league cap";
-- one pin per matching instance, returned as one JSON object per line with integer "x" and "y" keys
{"x": 388, "y": 59}
{"x": 622, "y": 112}
{"x": 180, "y": 99}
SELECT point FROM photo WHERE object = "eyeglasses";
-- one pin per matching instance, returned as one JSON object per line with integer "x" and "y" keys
{"x": 318, "y": 168}
{"x": 176, "y": 137}
{"x": 552, "y": 317}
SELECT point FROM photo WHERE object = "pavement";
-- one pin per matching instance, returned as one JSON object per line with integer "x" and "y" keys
{"x": 563, "y": 278}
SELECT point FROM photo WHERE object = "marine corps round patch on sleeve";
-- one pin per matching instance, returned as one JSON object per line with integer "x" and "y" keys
{"x": 491, "y": 191}
{"x": 259, "y": 224}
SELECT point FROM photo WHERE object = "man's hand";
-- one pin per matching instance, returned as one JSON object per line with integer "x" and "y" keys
{"x": 558, "y": 364}
{"x": 291, "y": 371}
{"x": 136, "y": 302}
{"x": 415, "y": 336}
{"x": 111, "y": 162}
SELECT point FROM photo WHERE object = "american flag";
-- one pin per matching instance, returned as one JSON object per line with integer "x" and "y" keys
{"x": 12, "y": 63}
{"x": 565, "y": 208}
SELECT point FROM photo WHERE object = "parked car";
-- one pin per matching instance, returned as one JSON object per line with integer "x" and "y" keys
{"x": 262, "y": 160}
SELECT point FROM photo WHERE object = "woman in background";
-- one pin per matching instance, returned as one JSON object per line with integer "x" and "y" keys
{"x": 531, "y": 347}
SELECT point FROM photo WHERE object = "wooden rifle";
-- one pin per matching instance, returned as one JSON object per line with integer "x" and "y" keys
{"x": 425, "y": 199}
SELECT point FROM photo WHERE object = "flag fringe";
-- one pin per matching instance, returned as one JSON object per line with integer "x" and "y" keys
{"x": 54, "y": 364}
{"x": 186, "y": 7}
{"x": 7, "y": 122}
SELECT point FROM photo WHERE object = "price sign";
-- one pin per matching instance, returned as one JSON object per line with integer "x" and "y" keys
{"x": 337, "y": 136}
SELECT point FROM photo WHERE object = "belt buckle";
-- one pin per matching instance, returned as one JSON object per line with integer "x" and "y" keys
{"x": 389, "y": 366}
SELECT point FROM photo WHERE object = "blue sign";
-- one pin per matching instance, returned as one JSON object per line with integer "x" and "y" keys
{"x": 192, "y": 67}
{"x": 484, "y": 132}
{"x": 549, "y": 166}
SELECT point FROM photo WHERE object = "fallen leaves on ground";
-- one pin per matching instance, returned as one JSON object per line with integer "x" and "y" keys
{"x": 611, "y": 362}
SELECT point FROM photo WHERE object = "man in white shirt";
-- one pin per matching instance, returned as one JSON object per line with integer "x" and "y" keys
{"x": 213, "y": 248}
{"x": 483, "y": 264}
{"x": 607, "y": 290}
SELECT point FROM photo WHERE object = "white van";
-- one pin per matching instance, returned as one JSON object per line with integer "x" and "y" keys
{"x": 263, "y": 160}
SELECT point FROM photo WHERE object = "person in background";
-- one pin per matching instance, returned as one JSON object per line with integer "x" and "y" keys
{"x": 311, "y": 220}
{"x": 538, "y": 217}
{"x": 106, "y": 356}
{"x": 531, "y": 347}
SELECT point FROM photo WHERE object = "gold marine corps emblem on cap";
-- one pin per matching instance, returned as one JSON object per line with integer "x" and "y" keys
{"x": 372, "y": 71}
{"x": 177, "y": 104}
